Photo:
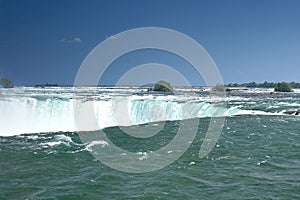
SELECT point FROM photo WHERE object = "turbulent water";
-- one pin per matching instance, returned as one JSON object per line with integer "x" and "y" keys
{"x": 43, "y": 155}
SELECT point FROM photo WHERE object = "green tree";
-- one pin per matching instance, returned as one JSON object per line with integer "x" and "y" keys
{"x": 283, "y": 87}
{"x": 6, "y": 83}
{"x": 252, "y": 84}
{"x": 163, "y": 86}
{"x": 295, "y": 85}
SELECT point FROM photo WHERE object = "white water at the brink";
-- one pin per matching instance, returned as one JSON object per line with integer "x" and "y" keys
{"x": 30, "y": 115}
{"x": 41, "y": 110}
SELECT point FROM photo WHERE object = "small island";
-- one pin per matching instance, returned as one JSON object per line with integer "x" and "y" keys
{"x": 283, "y": 87}
{"x": 162, "y": 86}
{"x": 6, "y": 83}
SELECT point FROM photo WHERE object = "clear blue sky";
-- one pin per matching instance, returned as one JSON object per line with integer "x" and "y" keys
{"x": 250, "y": 40}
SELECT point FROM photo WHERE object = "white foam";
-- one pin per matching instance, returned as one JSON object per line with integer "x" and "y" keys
{"x": 50, "y": 144}
{"x": 93, "y": 143}
{"x": 63, "y": 138}
{"x": 296, "y": 90}
{"x": 254, "y": 112}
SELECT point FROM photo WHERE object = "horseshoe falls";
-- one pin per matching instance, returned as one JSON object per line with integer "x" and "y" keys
{"x": 37, "y": 115}
{"x": 44, "y": 153}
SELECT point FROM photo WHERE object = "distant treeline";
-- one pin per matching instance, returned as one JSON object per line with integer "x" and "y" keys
{"x": 261, "y": 85}
{"x": 47, "y": 85}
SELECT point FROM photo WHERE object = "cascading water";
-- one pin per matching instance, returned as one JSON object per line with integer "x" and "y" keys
{"x": 33, "y": 115}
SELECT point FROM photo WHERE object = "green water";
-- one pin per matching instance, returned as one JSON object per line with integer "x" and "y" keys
{"x": 256, "y": 157}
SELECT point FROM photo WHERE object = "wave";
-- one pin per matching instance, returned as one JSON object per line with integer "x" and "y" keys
{"x": 21, "y": 115}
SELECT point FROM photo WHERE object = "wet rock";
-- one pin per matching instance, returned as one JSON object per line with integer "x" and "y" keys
{"x": 292, "y": 112}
